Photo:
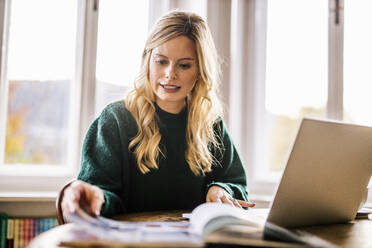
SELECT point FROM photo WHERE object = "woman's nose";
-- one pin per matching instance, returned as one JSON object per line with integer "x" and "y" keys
{"x": 171, "y": 72}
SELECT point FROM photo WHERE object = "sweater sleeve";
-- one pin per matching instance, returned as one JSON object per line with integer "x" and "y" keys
{"x": 102, "y": 161}
{"x": 228, "y": 171}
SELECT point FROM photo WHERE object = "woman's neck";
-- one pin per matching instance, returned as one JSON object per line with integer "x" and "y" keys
{"x": 173, "y": 108}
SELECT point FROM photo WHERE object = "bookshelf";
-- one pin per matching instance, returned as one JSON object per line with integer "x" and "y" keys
{"x": 18, "y": 232}
{"x": 28, "y": 204}
{"x": 24, "y": 216}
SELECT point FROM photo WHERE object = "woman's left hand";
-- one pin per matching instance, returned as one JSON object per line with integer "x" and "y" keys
{"x": 218, "y": 194}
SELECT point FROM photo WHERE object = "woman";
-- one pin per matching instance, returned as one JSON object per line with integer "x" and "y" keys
{"x": 165, "y": 146}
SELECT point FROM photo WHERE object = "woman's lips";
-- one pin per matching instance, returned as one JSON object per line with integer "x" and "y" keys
{"x": 170, "y": 88}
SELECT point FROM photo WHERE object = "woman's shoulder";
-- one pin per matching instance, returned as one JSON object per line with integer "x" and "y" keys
{"x": 219, "y": 124}
{"x": 117, "y": 107}
{"x": 117, "y": 111}
{"x": 221, "y": 129}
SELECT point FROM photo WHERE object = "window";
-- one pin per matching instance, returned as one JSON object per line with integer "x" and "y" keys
{"x": 296, "y": 76}
{"x": 48, "y": 94}
{"x": 119, "y": 48}
{"x": 357, "y": 61}
{"x": 317, "y": 67}
{"x": 37, "y": 79}
{"x": 39, "y": 75}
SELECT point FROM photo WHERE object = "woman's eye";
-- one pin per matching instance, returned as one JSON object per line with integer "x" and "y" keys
{"x": 161, "y": 62}
{"x": 185, "y": 66}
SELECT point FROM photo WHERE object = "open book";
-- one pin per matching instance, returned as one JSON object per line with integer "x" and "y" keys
{"x": 208, "y": 223}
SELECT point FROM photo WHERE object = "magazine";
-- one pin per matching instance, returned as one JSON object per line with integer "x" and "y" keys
{"x": 208, "y": 223}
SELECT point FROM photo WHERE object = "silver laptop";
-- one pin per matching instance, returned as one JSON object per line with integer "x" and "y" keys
{"x": 326, "y": 176}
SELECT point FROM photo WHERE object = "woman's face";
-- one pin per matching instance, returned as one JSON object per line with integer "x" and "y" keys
{"x": 173, "y": 71}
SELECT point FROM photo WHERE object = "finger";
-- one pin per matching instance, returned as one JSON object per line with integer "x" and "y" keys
{"x": 97, "y": 201}
{"x": 80, "y": 195}
{"x": 89, "y": 199}
{"x": 95, "y": 208}
{"x": 246, "y": 204}
{"x": 70, "y": 201}
{"x": 66, "y": 210}
{"x": 236, "y": 203}
{"x": 226, "y": 200}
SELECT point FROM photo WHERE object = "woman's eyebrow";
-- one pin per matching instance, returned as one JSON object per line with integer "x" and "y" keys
{"x": 161, "y": 55}
{"x": 186, "y": 59}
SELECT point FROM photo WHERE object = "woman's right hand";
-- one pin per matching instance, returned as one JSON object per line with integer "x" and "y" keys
{"x": 82, "y": 195}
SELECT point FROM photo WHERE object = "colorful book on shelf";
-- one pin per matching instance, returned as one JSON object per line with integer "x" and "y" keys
{"x": 10, "y": 233}
{"x": 28, "y": 233}
{"x": 18, "y": 232}
{"x": 26, "y": 223}
{"x": 31, "y": 232}
{"x": 21, "y": 232}
{"x": 3, "y": 229}
{"x": 37, "y": 227}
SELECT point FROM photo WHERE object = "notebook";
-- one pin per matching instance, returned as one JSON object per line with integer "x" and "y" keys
{"x": 326, "y": 176}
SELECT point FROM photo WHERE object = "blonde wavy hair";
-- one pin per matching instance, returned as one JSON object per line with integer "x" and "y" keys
{"x": 204, "y": 105}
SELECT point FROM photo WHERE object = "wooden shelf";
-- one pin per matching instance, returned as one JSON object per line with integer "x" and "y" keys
{"x": 28, "y": 196}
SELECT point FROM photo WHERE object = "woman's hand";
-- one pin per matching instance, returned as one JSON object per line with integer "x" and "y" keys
{"x": 82, "y": 195}
{"x": 218, "y": 194}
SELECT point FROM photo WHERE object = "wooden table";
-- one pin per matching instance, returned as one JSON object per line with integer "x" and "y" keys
{"x": 357, "y": 233}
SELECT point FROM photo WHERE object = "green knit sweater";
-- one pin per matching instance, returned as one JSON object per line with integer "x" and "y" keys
{"x": 108, "y": 164}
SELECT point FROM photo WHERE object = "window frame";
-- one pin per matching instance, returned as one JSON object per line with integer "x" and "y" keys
{"x": 247, "y": 118}
{"x": 261, "y": 183}
{"x": 4, "y": 31}
{"x": 41, "y": 179}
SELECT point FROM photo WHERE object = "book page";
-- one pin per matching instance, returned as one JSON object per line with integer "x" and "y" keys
{"x": 132, "y": 232}
{"x": 207, "y": 212}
